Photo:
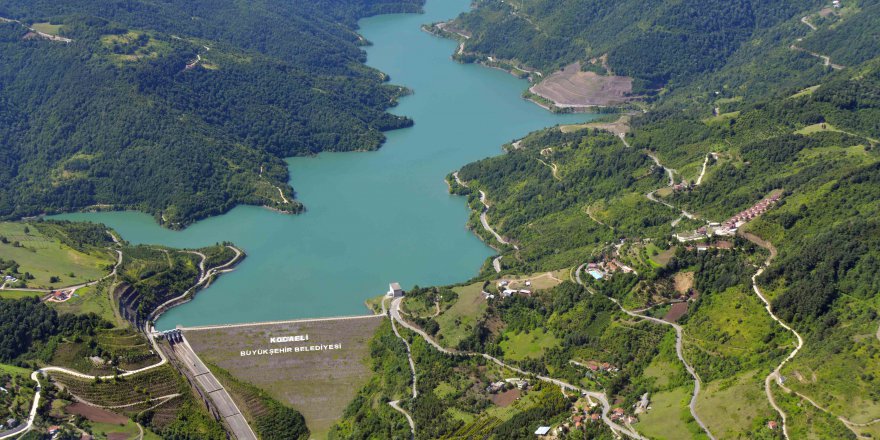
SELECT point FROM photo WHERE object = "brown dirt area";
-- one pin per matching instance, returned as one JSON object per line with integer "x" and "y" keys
{"x": 619, "y": 127}
{"x": 676, "y": 312}
{"x": 506, "y": 398}
{"x": 571, "y": 87}
{"x": 539, "y": 281}
{"x": 318, "y": 384}
{"x": 684, "y": 281}
{"x": 95, "y": 414}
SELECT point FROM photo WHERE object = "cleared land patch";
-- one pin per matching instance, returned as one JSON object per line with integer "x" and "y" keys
{"x": 51, "y": 263}
{"x": 573, "y": 88}
{"x": 457, "y": 322}
{"x": 318, "y": 384}
{"x": 664, "y": 420}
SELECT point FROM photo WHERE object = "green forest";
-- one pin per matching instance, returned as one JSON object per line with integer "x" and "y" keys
{"x": 746, "y": 112}
{"x": 181, "y": 112}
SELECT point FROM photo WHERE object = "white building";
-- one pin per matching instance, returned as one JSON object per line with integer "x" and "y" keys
{"x": 394, "y": 290}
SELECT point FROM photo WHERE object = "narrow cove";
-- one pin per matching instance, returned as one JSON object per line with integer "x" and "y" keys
{"x": 371, "y": 218}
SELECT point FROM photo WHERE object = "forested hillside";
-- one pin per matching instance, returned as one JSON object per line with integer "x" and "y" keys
{"x": 791, "y": 111}
{"x": 656, "y": 43}
{"x": 182, "y": 111}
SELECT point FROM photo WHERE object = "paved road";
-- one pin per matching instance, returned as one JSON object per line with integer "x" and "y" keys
{"x": 205, "y": 277}
{"x": 412, "y": 366}
{"x": 606, "y": 407}
{"x": 485, "y": 220}
{"x": 27, "y": 426}
{"x": 292, "y": 321}
{"x": 679, "y": 352}
{"x": 226, "y": 407}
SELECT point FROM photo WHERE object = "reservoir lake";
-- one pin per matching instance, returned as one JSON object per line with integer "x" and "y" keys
{"x": 373, "y": 217}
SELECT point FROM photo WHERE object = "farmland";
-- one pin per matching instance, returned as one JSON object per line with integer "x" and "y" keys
{"x": 524, "y": 345}
{"x": 456, "y": 321}
{"x": 665, "y": 420}
{"x": 51, "y": 262}
{"x": 318, "y": 384}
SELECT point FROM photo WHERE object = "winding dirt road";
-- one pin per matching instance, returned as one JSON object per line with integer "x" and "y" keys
{"x": 412, "y": 366}
{"x": 606, "y": 407}
{"x": 679, "y": 351}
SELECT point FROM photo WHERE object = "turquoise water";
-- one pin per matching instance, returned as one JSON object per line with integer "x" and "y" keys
{"x": 372, "y": 218}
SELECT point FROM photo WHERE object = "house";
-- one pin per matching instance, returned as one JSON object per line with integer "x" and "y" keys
{"x": 642, "y": 405}
{"x": 11, "y": 423}
{"x": 519, "y": 383}
{"x": 525, "y": 292}
{"x": 394, "y": 290}
{"x": 54, "y": 429}
{"x": 495, "y": 387}
{"x": 542, "y": 431}
{"x": 772, "y": 424}
{"x": 595, "y": 417}
{"x": 507, "y": 293}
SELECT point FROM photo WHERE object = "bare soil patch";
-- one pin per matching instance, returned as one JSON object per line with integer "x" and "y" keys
{"x": 572, "y": 88}
{"x": 118, "y": 436}
{"x": 95, "y": 414}
{"x": 684, "y": 282}
{"x": 506, "y": 398}
{"x": 620, "y": 127}
{"x": 676, "y": 312}
{"x": 318, "y": 384}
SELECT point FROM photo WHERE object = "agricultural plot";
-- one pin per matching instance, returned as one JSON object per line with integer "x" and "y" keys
{"x": 520, "y": 346}
{"x": 18, "y": 294}
{"x": 665, "y": 420}
{"x": 457, "y": 321}
{"x": 46, "y": 28}
{"x": 734, "y": 405}
{"x": 806, "y": 422}
{"x": 92, "y": 299}
{"x": 317, "y": 383}
{"x": 45, "y": 257}
{"x": 132, "y": 390}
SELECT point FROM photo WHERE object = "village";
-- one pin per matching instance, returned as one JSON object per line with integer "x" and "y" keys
{"x": 731, "y": 225}
{"x": 586, "y": 411}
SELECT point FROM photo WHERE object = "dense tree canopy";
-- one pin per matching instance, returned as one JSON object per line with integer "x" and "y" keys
{"x": 181, "y": 111}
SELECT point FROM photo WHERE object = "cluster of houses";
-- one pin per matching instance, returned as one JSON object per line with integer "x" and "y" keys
{"x": 604, "y": 269}
{"x": 731, "y": 225}
{"x": 10, "y": 279}
{"x": 506, "y": 384}
{"x": 604, "y": 367}
{"x": 580, "y": 417}
{"x": 504, "y": 288}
